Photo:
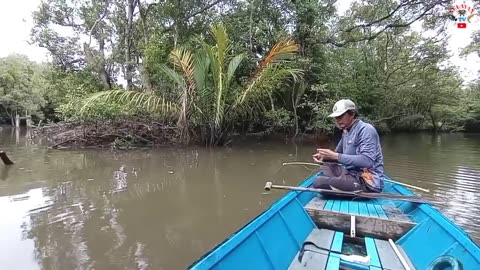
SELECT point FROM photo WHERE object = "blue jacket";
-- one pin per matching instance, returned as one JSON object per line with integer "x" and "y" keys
{"x": 360, "y": 150}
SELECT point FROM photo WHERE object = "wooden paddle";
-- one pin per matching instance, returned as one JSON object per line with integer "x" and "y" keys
{"x": 5, "y": 158}
{"x": 396, "y": 182}
{"x": 360, "y": 194}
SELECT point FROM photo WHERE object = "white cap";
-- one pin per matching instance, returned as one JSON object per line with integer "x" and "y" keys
{"x": 341, "y": 107}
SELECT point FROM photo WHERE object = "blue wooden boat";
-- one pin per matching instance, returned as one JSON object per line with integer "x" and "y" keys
{"x": 305, "y": 230}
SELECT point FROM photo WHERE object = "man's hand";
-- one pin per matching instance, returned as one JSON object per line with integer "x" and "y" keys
{"x": 327, "y": 154}
{"x": 317, "y": 158}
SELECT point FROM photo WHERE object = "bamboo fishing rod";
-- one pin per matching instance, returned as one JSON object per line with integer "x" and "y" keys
{"x": 319, "y": 165}
{"x": 360, "y": 194}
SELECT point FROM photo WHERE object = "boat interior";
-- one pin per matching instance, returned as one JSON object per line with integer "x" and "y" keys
{"x": 374, "y": 234}
{"x": 367, "y": 229}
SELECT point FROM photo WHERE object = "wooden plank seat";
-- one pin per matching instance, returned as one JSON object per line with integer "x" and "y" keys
{"x": 383, "y": 256}
{"x": 319, "y": 255}
{"x": 369, "y": 219}
{"x": 372, "y": 207}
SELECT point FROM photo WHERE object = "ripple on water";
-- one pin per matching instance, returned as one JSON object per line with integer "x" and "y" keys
{"x": 462, "y": 205}
{"x": 448, "y": 165}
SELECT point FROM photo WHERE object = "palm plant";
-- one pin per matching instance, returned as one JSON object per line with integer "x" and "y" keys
{"x": 208, "y": 99}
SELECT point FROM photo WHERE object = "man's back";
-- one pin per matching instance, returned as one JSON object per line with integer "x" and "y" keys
{"x": 362, "y": 139}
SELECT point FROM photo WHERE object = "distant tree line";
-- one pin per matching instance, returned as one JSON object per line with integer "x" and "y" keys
{"x": 213, "y": 68}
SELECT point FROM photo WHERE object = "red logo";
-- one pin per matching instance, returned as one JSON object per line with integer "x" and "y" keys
{"x": 461, "y": 25}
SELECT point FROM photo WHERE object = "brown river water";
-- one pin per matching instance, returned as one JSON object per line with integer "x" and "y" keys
{"x": 164, "y": 208}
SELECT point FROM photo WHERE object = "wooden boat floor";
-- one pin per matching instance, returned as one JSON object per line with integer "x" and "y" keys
{"x": 374, "y": 207}
{"x": 372, "y": 219}
{"x": 331, "y": 235}
{"x": 317, "y": 258}
{"x": 382, "y": 256}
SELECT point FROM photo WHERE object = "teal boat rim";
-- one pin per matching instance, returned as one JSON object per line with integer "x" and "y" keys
{"x": 242, "y": 233}
{"x": 443, "y": 221}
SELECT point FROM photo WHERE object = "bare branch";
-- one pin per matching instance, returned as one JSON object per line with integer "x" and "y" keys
{"x": 388, "y": 118}
{"x": 188, "y": 17}
{"x": 98, "y": 21}
{"x": 410, "y": 3}
{"x": 379, "y": 20}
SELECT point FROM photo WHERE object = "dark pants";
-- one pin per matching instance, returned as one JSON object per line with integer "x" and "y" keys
{"x": 337, "y": 177}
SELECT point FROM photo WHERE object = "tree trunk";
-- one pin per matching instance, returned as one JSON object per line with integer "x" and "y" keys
{"x": 182, "y": 122}
{"x": 146, "y": 81}
{"x": 104, "y": 76}
{"x": 17, "y": 120}
{"x": 128, "y": 44}
{"x": 434, "y": 123}
{"x": 98, "y": 63}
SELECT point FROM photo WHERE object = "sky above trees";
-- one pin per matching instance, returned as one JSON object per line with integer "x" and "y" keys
{"x": 17, "y": 23}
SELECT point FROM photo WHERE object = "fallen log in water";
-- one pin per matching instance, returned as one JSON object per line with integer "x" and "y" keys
{"x": 6, "y": 160}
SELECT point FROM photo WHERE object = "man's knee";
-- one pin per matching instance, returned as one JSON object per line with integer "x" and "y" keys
{"x": 321, "y": 182}
{"x": 333, "y": 170}
{"x": 343, "y": 183}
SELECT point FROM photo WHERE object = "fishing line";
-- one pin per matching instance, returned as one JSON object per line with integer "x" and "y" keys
{"x": 303, "y": 164}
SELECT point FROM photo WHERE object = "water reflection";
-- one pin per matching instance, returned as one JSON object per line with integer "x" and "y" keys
{"x": 462, "y": 197}
{"x": 17, "y": 248}
{"x": 448, "y": 165}
{"x": 4, "y": 172}
{"x": 162, "y": 209}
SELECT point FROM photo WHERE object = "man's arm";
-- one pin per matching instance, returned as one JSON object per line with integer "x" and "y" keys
{"x": 366, "y": 150}
{"x": 339, "y": 148}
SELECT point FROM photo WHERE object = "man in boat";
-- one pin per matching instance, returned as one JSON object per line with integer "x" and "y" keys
{"x": 357, "y": 162}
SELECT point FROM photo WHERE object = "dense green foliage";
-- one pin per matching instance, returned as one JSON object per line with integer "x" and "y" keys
{"x": 21, "y": 86}
{"x": 212, "y": 68}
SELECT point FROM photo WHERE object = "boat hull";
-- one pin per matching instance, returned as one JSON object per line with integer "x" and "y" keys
{"x": 274, "y": 238}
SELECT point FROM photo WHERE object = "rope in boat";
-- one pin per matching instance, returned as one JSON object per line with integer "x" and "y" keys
{"x": 328, "y": 251}
{"x": 439, "y": 263}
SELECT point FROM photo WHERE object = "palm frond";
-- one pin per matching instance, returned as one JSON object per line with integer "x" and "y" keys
{"x": 248, "y": 110}
{"x": 201, "y": 69}
{"x": 222, "y": 41}
{"x": 270, "y": 69}
{"x": 265, "y": 82}
{"x": 218, "y": 55}
{"x": 232, "y": 67}
{"x": 183, "y": 59}
{"x": 174, "y": 76}
{"x": 131, "y": 99}
{"x": 280, "y": 51}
